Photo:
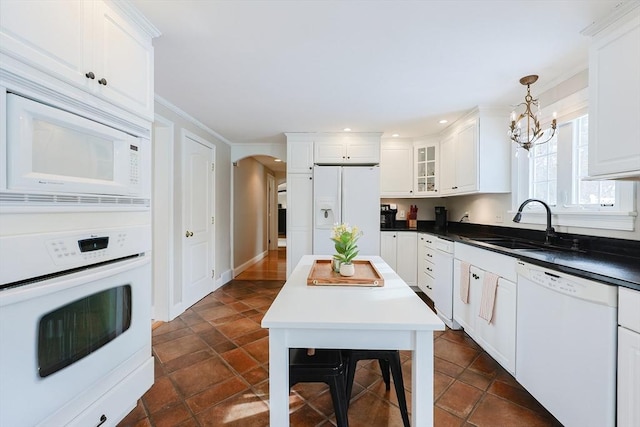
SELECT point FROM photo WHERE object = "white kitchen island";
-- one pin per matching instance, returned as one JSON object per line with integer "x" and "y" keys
{"x": 391, "y": 317}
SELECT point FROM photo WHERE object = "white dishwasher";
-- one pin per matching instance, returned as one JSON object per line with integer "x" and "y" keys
{"x": 566, "y": 345}
{"x": 443, "y": 292}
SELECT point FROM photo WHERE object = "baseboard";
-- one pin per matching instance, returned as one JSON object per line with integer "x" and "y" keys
{"x": 249, "y": 263}
{"x": 224, "y": 278}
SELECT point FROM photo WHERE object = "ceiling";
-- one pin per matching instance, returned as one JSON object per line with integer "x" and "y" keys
{"x": 252, "y": 70}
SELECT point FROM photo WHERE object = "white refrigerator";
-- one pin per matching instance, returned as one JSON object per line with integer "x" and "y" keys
{"x": 346, "y": 194}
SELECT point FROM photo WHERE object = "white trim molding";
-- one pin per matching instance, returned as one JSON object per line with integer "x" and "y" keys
{"x": 239, "y": 269}
{"x": 183, "y": 114}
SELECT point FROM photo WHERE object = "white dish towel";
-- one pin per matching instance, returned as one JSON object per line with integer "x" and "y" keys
{"x": 464, "y": 281}
{"x": 488, "y": 299}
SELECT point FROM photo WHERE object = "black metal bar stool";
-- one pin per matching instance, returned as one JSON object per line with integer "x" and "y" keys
{"x": 388, "y": 359}
{"x": 326, "y": 366}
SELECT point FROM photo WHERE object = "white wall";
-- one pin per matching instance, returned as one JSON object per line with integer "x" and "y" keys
{"x": 250, "y": 228}
{"x": 174, "y": 121}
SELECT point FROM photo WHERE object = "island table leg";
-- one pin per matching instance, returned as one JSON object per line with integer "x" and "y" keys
{"x": 422, "y": 380}
{"x": 278, "y": 379}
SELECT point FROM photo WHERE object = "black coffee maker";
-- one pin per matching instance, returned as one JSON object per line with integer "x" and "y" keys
{"x": 387, "y": 216}
{"x": 441, "y": 218}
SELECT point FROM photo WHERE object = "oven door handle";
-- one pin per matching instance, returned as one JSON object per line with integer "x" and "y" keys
{"x": 59, "y": 283}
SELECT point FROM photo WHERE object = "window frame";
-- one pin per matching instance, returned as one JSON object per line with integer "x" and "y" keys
{"x": 619, "y": 217}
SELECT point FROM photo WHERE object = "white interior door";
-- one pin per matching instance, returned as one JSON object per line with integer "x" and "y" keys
{"x": 197, "y": 234}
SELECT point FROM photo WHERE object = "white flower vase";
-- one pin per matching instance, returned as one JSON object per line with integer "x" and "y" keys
{"x": 347, "y": 270}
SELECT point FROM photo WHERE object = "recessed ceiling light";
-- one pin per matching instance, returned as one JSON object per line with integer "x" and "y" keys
{"x": 347, "y": 129}
{"x": 395, "y": 135}
{"x": 277, "y": 160}
{"x": 443, "y": 121}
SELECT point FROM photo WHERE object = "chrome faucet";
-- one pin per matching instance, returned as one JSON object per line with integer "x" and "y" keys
{"x": 550, "y": 232}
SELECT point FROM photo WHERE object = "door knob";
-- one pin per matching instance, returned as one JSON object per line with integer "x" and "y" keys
{"x": 189, "y": 233}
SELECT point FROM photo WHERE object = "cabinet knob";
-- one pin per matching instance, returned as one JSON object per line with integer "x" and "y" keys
{"x": 188, "y": 233}
{"x": 90, "y": 75}
{"x": 102, "y": 81}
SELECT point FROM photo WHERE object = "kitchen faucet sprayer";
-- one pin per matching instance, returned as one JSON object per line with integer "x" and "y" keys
{"x": 550, "y": 232}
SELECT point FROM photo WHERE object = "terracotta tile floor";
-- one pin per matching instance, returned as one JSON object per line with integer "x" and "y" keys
{"x": 211, "y": 369}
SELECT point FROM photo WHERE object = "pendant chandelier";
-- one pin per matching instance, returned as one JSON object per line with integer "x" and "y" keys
{"x": 525, "y": 127}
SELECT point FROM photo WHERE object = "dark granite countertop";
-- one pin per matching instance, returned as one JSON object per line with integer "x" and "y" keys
{"x": 611, "y": 261}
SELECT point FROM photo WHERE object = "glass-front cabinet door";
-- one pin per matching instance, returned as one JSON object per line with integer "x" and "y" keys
{"x": 426, "y": 169}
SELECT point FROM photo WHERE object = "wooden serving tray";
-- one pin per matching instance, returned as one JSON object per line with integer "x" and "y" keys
{"x": 322, "y": 274}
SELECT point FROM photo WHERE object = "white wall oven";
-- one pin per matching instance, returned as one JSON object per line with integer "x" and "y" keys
{"x": 75, "y": 310}
{"x": 51, "y": 151}
{"x": 75, "y": 268}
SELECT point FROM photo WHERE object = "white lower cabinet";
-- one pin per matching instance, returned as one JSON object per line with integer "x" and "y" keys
{"x": 426, "y": 264}
{"x": 628, "y": 358}
{"x": 466, "y": 314}
{"x": 497, "y": 338}
{"x": 398, "y": 249}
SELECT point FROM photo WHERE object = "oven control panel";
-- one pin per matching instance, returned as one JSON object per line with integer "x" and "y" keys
{"x": 91, "y": 249}
{"x": 49, "y": 253}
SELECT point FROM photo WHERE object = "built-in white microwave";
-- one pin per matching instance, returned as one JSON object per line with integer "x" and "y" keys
{"x": 50, "y": 150}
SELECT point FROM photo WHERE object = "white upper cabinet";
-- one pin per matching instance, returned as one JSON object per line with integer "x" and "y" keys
{"x": 426, "y": 169}
{"x": 49, "y": 35}
{"x": 348, "y": 149}
{"x": 299, "y": 156}
{"x": 475, "y": 155}
{"x": 103, "y": 48}
{"x": 614, "y": 91}
{"x": 396, "y": 176}
{"x": 123, "y": 61}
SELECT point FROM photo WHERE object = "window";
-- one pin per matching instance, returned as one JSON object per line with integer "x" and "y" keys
{"x": 555, "y": 172}
{"x": 545, "y": 183}
{"x": 544, "y": 167}
{"x": 589, "y": 193}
